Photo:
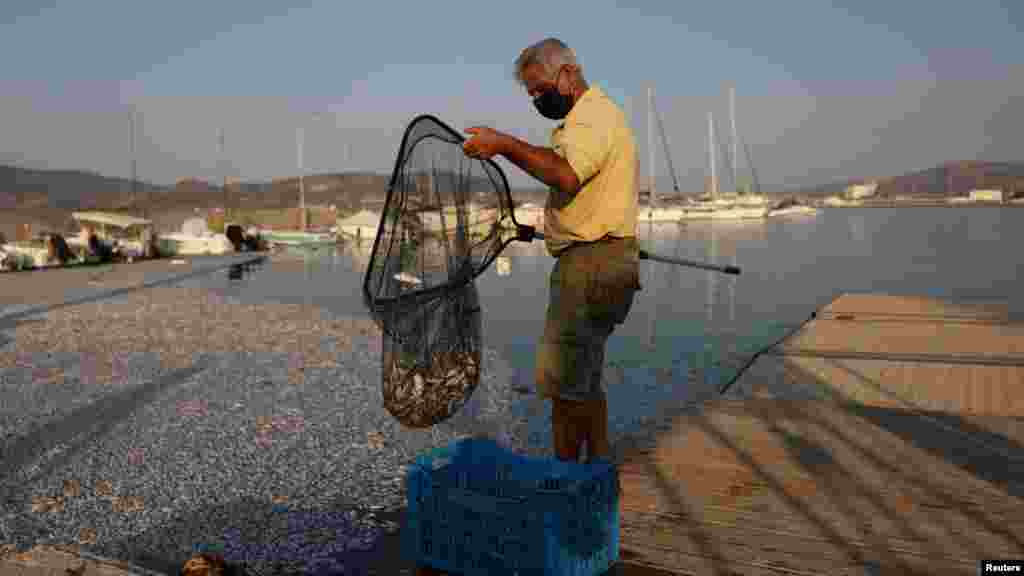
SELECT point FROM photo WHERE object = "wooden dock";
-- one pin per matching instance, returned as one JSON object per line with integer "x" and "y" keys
{"x": 886, "y": 436}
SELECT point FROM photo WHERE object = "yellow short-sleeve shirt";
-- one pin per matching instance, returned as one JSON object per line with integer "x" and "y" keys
{"x": 598, "y": 143}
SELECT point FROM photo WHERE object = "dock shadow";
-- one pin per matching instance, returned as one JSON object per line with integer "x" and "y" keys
{"x": 989, "y": 456}
{"x": 814, "y": 458}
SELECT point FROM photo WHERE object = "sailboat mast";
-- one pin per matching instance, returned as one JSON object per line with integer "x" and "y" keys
{"x": 131, "y": 145}
{"x": 650, "y": 141}
{"x": 753, "y": 170}
{"x": 299, "y": 136}
{"x": 220, "y": 164}
{"x": 712, "y": 277}
{"x": 732, "y": 116}
{"x": 711, "y": 147}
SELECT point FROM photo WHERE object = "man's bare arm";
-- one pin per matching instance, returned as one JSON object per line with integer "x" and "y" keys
{"x": 543, "y": 164}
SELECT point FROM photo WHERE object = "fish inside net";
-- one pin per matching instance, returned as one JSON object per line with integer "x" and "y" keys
{"x": 445, "y": 219}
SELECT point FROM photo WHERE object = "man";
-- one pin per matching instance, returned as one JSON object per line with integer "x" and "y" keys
{"x": 590, "y": 225}
{"x": 57, "y": 249}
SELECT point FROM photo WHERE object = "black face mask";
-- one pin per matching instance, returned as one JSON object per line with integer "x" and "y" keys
{"x": 552, "y": 104}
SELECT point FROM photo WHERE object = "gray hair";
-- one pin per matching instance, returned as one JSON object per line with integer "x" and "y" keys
{"x": 550, "y": 54}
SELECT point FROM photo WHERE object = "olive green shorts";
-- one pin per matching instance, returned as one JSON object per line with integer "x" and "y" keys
{"x": 591, "y": 291}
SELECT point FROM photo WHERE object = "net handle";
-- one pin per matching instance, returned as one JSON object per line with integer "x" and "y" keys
{"x": 529, "y": 233}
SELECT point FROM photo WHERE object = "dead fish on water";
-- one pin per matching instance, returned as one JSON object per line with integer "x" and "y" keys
{"x": 408, "y": 278}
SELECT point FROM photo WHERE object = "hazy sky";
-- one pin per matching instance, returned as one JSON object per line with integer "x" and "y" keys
{"x": 824, "y": 90}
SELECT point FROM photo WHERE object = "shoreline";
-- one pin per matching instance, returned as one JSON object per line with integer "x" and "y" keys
{"x": 925, "y": 205}
{"x": 63, "y": 287}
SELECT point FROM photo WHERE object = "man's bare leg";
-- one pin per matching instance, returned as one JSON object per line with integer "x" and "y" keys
{"x": 597, "y": 432}
{"x": 567, "y": 428}
{"x": 574, "y": 424}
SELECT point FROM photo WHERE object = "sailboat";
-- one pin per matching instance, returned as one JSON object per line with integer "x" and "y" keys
{"x": 791, "y": 207}
{"x": 722, "y": 207}
{"x": 302, "y": 236}
{"x": 656, "y": 210}
{"x": 740, "y": 197}
{"x": 736, "y": 205}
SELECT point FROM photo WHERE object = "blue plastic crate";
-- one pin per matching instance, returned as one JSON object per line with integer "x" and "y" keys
{"x": 476, "y": 508}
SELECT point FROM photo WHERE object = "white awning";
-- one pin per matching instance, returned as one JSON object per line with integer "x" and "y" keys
{"x": 361, "y": 218}
{"x": 110, "y": 219}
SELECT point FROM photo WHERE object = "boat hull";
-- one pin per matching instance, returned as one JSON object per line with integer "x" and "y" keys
{"x": 187, "y": 245}
{"x": 661, "y": 214}
{"x": 28, "y": 254}
{"x": 725, "y": 214}
{"x": 296, "y": 238}
{"x": 794, "y": 211}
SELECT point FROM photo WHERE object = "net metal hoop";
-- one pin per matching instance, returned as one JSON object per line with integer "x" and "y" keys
{"x": 379, "y": 305}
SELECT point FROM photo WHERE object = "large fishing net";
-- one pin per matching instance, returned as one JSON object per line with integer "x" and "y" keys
{"x": 445, "y": 219}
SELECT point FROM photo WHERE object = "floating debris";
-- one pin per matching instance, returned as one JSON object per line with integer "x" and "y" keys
{"x": 44, "y": 504}
{"x": 72, "y": 488}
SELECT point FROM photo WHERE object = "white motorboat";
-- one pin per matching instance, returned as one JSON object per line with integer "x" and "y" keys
{"x": 195, "y": 239}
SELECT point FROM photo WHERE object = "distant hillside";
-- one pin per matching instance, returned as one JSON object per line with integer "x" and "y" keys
{"x": 950, "y": 179}
{"x": 47, "y": 197}
{"x": 62, "y": 189}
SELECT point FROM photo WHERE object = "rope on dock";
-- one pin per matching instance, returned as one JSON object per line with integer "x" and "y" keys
{"x": 972, "y": 359}
{"x": 750, "y": 362}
